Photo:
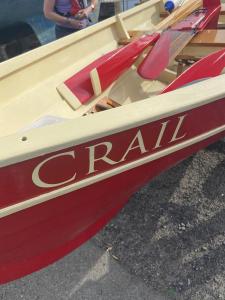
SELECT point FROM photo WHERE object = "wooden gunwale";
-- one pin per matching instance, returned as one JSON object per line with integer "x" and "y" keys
{"x": 14, "y": 150}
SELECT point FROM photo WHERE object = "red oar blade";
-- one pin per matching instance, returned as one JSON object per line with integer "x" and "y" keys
{"x": 165, "y": 50}
{"x": 109, "y": 67}
{"x": 120, "y": 61}
{"x": 171, "y": 42}
{"x": 207, "y": 67}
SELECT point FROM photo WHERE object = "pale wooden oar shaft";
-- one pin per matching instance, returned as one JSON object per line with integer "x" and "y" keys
{"x": 180, "y": 13}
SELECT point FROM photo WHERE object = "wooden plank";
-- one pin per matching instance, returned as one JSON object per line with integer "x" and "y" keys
{"x": 176, "y": 16}
{"x": 179, "y": 14}
{"x": 164, "y": 14}
{"x": 95, "y": 81}
{"x": 103, "y": 104}
{"x": 222, "y": 11}
{"x": 68, "y": 96}
{"x": 121, "y": 27}
{"x": 213, "y": 38}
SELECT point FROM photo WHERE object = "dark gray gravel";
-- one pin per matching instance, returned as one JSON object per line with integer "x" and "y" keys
{"x": 172, "y": 232}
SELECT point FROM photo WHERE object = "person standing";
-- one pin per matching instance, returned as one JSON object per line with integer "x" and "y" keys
{"x": 68, "y": 15}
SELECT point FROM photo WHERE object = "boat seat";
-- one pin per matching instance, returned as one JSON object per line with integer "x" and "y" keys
{"x": 206, "y": 38}
{"x": 99, "y": 75}
{"x": 209, "y": 38}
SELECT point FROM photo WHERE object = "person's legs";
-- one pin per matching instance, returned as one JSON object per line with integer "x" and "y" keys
{"x": 63, "y": 31}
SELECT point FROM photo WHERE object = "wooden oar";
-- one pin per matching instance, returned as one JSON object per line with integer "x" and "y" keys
{"x": 165, "y": 50}
{"x": 209, "y": 66}
{"x": 180, "y": 13}
{"x": 98, "y": 75}
{"x": 171, "y": 42}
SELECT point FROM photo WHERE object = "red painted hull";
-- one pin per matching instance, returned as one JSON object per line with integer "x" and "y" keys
{"x": 37, "y": 236}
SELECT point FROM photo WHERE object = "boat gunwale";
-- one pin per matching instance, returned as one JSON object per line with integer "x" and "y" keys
{"x": 15, "y": 150}
{"x": 42, "y": 198}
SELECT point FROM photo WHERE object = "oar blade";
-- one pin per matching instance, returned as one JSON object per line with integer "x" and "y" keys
{"x": 209, "y": 66}
{"x": 172, "y": 41}
{"x": 165, "y": 50}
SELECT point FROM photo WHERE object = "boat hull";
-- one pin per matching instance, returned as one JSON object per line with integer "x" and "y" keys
{"x": 63, "y": 182}
{"x": 35, "y": 234}
{"x": 36, "y": 237}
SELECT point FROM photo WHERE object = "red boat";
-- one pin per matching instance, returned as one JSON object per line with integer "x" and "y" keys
{"x": 81, "y": 130}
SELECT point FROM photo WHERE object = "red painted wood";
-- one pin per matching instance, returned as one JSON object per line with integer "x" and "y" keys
{"x": 212, "y": 18}
{"x": 209, "y": 66}
{"x": 80, "y": 83}
{"x": 211, "y": 3}
{"x": 36, "y": 237}
{"x": 165, "y": 50}
{"x": 113, "y": 67}
{"x": 110, "y": 66}
{"x": 191, "y": 22}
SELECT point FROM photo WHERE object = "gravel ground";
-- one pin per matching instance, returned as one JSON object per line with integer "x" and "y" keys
{"x": 167, "y": 243}
{"x": 171, "y": 234}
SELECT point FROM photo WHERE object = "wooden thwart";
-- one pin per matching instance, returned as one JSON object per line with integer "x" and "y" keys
{"x": 207, "y": 38}
{"x": 210, "y": 37}
{"x": 213, "y": 38}
{"x": 102, "y": 105}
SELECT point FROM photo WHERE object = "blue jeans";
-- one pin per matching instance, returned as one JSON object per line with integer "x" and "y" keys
{"x": 61, "y": 31}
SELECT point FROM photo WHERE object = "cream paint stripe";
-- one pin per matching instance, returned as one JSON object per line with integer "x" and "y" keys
{"x": 95, "y": 81}
{"x": 68, "y": 96}
{"x": 91, "y": 180}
